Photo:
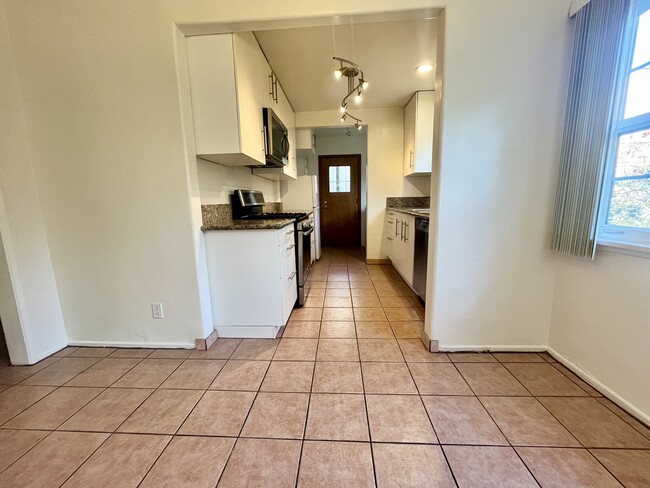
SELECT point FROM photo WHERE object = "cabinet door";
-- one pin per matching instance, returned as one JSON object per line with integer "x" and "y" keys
{"x": 389, "y": 234}
{"x": 214, "y": 94}
{"x": 409, "y": 136}
{"x": 252, "y": 93}
{"x": 408, "y": 243}
{"x": 423, "y": 153}
{"x": 403, "y": 246}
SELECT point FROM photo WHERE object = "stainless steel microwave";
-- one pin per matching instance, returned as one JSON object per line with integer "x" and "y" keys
{"x": 276, "y": 139}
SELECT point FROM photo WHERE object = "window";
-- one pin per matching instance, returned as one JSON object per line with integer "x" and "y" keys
{"x": 339, "y": 179}
{"x": 625, "y": 212}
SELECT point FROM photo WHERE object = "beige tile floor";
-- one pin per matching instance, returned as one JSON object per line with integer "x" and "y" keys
{"x": 348, "y": 397}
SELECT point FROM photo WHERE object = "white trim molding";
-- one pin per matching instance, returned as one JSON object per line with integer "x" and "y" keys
{"x": 492, "y": 348}
{"x": 138, "y": 345}
{"x": 606, "y": 391}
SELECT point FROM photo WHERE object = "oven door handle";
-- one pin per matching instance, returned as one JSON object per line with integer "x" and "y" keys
{"x": 306, "y": 232}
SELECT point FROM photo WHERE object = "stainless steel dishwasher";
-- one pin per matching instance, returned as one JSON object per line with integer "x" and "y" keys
{"x": 420, "y": 257}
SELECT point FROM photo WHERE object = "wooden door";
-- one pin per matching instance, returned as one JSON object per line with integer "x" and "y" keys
{"x": 340, "y": 199}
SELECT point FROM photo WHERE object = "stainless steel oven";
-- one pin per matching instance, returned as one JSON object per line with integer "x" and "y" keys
{"x": 304, "y": 229}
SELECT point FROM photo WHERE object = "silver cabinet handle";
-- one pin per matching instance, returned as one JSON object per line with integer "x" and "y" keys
{"x": 264, "y": 142}
{"x": 292, "y": 276}
{"x": 289, "y": 232}
{"x": 396, "y": 222}
{"x": 389, "y": 238}
{"x": 411, "y": 158}
{"x": 401, "y": 230}
{"x": 391, "y": 221}
{"x": 406, "y": 231}
{"x": 291, "y": 247}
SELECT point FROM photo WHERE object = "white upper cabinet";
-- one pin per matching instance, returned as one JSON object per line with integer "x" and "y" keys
{"x": 418, "y": 134}
{"x": 306, "y": 140}
{"x": 227, "y": 75}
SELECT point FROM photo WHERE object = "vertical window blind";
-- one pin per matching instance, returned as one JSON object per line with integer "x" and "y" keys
{"x": 599, "y": 29}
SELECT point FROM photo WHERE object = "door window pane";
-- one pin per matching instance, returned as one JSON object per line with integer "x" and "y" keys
{"x": 339, "y": 178}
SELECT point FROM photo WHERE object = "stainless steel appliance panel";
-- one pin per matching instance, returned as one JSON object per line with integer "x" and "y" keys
{"x": 420, "y": 257}
{"x": 304, "y": 230}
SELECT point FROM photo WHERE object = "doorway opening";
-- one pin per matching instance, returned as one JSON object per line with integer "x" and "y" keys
{"x": 339, "y": 179}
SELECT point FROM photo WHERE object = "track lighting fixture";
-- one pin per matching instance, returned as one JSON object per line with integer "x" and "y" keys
{"x": 351, "y": 71}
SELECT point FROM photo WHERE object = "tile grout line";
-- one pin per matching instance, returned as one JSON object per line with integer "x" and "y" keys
{"x": 56, "y": 388}
{"x": 496, "y": 424}
{"x": 543, "y": 406}
{"x": 304, "y": 432}
{"x": 154, "y": 390}
{"x": 241, "y": 429}
{"x": 419, "y": 394}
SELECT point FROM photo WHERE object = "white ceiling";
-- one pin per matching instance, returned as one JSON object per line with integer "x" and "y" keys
{"x": 388, "y": 52}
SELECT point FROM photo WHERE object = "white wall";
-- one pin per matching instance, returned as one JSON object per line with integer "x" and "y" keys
{"x": 506, "y": 70}
{"x": 218, "y": 182}
{"x": 601, "y": 322}
{"x": 103, "y": 127}
{"x": 29, "y": 301}
{"x": 343, "y": 144}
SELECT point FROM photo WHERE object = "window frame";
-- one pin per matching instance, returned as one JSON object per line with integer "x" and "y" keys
{"x": 628, "y": 238}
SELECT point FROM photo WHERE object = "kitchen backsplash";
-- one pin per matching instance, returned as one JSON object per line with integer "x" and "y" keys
{"x": 408, "y": 202}
{"x": 222, "y": 212}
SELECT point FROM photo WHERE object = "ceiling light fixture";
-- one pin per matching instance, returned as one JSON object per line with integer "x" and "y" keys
{"x": 424, "y": 68}
{"x": 351, "y": 71}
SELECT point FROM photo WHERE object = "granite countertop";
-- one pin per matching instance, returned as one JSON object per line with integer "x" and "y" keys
{"x": 248, "y": 224}
{"x": 409, "y": 211}
{"x": 219, "y": 217}
{"x": 407, "y": 205}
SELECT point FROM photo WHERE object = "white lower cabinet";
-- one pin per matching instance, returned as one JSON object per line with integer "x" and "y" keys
{"x": 252, "y": 275}
{"x": 400, "y": 238}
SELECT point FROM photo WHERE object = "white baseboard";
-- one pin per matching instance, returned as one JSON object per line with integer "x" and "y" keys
{"x": 601, "y": 387}
{"x": 242, "y": 332}
{"x": 144, "y": 345}
{"x": 493, "y": 348}
{"x": 40, "y": 357}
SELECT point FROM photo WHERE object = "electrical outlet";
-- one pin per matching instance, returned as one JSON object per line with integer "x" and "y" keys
{"x": 157, "y": 310}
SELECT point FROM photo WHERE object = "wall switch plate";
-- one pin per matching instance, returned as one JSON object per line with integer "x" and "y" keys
{"x": 157, "y": 310}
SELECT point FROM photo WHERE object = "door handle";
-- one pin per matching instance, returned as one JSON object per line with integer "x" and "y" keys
{"x": 324, "y": 203}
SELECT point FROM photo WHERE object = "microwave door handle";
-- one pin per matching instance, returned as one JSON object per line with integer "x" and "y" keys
{"x": 285, "y": 145}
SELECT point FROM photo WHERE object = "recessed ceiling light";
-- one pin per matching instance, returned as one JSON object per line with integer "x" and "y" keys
{"x": 424, "y": 68}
